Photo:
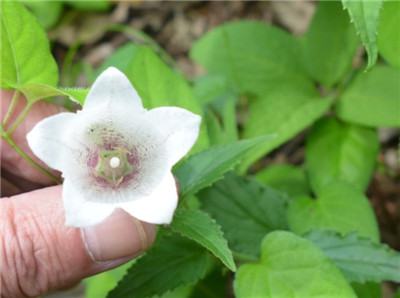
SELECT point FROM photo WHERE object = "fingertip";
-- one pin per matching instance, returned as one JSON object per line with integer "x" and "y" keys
{"x": 120, "y": 236}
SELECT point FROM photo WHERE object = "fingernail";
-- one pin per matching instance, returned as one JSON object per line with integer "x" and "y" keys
{"x": 118, "y": 236}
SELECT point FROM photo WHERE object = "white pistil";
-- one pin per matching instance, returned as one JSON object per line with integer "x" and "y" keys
{"x": 115, "y": 162}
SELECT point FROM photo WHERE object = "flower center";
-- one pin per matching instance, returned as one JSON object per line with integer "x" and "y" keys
{"x": 113, "y": 166}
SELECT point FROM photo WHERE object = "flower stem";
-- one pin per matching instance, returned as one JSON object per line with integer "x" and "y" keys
{"x": 19, "y": 119}
{"x": 11, "y": 107}
{"x": 7, "y": 137}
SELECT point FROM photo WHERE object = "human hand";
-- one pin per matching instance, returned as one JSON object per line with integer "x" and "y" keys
{"x": 38, "y": 253}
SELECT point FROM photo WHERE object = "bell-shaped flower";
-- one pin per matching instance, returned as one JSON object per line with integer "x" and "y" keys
{"x": 116, "y": 154}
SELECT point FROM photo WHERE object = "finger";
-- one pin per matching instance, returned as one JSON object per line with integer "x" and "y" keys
{"x": 40, "y": 254}
{"x": 10, "y": 159}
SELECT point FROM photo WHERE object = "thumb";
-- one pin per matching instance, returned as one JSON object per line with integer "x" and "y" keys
{"x": 38, "y": 253}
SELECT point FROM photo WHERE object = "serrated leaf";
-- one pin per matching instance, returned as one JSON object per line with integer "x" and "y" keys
{"x": 388, "y": 33}
{"x": 373, "y": 99}
{"x": 328, "y": 56}
{"x": 359, "y": 258}
{"x": 254, "y": 56}
{"x": 200, "y": 227}
{"x": 290, "y": 266}
{"x": 173, "y": 261}
{"x": 285, "y": 178}
{"x": 25, "y": 53}
{"x": 206, "y": 167}
{"x": 365, "y": 16}
{"x": 246, "y": 210}
{"x": 339, "y": 207}
{"x": 338, "y": 151}
{"x": 285, "y": 109}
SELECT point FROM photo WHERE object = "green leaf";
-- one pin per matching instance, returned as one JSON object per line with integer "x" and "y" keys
{"x": 286, "y": 109}
{"x": 200, "y": 227}
{"x": 246, "y": 210}
{"x": 367, "y": 290}
{"x": 365, "y": 16}
{"x": 100, "y": 284}
{"x": 373, "y": 99}
{"x": 219, "y": 101}
{"x": 173, "y": 261}
{"x": 204, "y": 168}
{"x": 25, "y": 53}
{"x": 47, "y": 12}
{"x": 339, "y": 207}
{"x": 337, "y": 151}
{"x": 213, "y": 286}
{"x": 97, "y": 5}
{"x": 252, "y": 55}
{"x": 388, "y": 33}
{"x": 291, "y": 267}
{"x": 329, "y": 44}
{"x": 286, "y": 178}
{"x": 359, "y": 258}
{"x": 156, "y": 83}
{"x": 34, "y": 92}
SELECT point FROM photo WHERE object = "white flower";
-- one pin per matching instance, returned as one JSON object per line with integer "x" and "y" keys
{"x": 116, "y": 154}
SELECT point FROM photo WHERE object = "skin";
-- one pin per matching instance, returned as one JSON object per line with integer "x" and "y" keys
{"x": 38, "y": 253}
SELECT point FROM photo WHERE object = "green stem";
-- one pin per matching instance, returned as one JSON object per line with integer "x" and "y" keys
{"x": 11, "y": 107}
{"x": 19, "y": 119}
{"x": 7, "y": 137}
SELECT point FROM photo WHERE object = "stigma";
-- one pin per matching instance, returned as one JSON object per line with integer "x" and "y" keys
{"x": 115, "y": 162}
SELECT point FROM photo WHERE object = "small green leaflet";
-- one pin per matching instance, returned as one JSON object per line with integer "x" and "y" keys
{"x": 173, "y": 261}
{"x": 286, "y": 178}
{"x": 254, "y": 56}
{"x": 339, "y": 151}
{"x": 372, "y": 99}
{"x": 388, "y": 33}
{"x": 47, "y": 13}
{"x": 200, "y": 227}
{"x": 359, "y": 258}
{"x": 339, "y": 207}
{"x": 365, "y": 16}
{"x": 25, "y": 52}
{"x": 246, "y": 210}
{"x": 285, "y": 109}
{"x": 291, "y": 266}
{"x": 329, "y": 44}
{"x": 206, "y": 167}
{"x": 34, "y": 92}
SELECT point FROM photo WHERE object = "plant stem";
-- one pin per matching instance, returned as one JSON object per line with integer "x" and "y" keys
{"x": 19, "y": 119}
{"x": 7, "y": 137}
{"x": 11, "y": 107}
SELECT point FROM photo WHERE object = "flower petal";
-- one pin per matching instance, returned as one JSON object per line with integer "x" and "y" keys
{"x": 112, "y": 87}
{"x": 78, "y": 211}
{"x": 157, "y": 208}
{"x": 48, "y": 140}
{"x": 179, "y": 127}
